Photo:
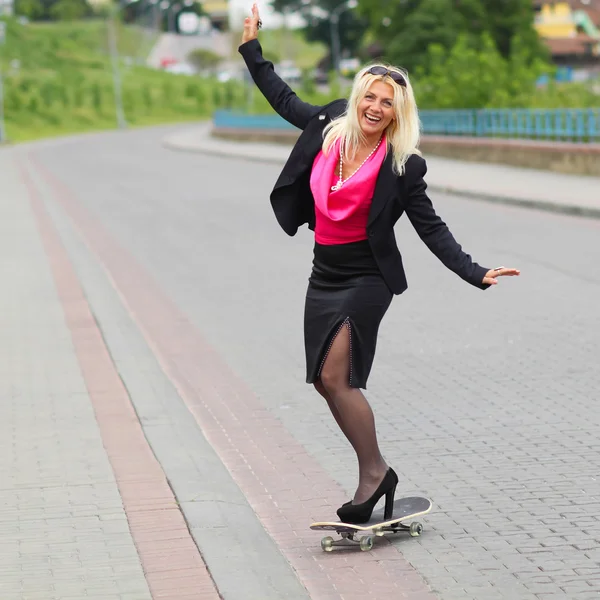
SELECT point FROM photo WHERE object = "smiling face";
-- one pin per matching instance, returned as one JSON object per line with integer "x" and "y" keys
{"x": 376, "y": 109}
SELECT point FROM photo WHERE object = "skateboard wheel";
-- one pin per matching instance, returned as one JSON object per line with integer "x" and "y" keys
{"x": 327, "y": 544}
{"x": 416, "y": 529}
{"x": 366, "y": 543}
{"x": 379, "y": 532}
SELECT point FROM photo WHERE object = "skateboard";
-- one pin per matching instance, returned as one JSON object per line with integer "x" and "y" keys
{"x": 404, "y": 509}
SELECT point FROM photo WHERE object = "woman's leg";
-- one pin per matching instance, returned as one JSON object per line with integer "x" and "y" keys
{"x": 354, "y": 415}
{"x": 332, "y": 407}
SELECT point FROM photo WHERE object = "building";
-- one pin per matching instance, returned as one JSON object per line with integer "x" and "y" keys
{"x": 218, "y": 13}
{"x": 571, "y": 30}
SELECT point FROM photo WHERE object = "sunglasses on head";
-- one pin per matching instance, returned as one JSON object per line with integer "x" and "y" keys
{"x": 397, "y": 77}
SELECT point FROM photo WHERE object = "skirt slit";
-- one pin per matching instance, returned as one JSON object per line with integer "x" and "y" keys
{"x": 345, "y": 288}
{"x": 344, "y": 323}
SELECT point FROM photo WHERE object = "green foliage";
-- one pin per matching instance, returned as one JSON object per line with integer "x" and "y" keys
{"x": 64, "y": 83}
{"x": 289, "y": 44}
{"x": 78, "y": 95}
{"x": 33, "y": 105}
{"x": 147, "y": 100}
{"x": 32, "y": 9}
{"x": 69, "y": 10}
{"x": 204, "y": 60}
{"x": 475, "y": 75}
{"x": 308, "y": 83}
{"x": 216, "y": 96}
{"x": 96, "y": 93}
{"x": 53, "y": 10}
{"x": 405, "y": 31}
{"x": 48, "y": 93}
{"x": 201, "y": 99}
{"x": 352, "y": 26}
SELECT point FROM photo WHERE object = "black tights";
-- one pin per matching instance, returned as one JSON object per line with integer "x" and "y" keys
{"x": 353, "y": 414}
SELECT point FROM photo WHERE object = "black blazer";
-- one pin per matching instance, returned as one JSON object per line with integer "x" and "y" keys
{"x": 293, "y": 202}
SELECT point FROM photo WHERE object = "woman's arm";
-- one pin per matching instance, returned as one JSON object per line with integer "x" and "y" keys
{"x": 434, "y": 232}
{"x": 279, "y": 95}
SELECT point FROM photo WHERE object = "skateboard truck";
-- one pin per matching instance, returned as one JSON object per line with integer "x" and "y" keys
{"x": 377, "y": 526}
{"x": 365, "y": 542}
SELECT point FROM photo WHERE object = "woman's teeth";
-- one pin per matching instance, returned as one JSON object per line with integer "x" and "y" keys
{"x": 372, "y": 119}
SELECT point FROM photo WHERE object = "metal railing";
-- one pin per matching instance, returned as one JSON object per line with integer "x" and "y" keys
{"x": 574, "y": 125}
{"x": 232, "y": 120}
{"x": 561, "y": 124}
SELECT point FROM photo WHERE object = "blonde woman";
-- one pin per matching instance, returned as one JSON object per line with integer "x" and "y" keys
{"x": 353, "y": 172}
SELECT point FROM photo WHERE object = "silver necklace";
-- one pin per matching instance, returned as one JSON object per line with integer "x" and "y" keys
{"x": 341, "y": 182}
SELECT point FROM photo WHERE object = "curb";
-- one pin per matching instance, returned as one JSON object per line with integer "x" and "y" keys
{"x": 543, "y": 205}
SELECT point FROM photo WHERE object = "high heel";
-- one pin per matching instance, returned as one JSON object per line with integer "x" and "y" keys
{"x": 361, "y": 513}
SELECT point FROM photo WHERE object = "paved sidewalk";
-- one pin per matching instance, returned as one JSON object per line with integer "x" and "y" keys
{"x": 531, "y": 188}
{"x": 62, "y": 524}
{"x": 85, "y": 508}
{"x": 157, "y": 439}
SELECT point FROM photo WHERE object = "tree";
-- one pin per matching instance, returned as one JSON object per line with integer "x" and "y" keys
{"x": 204, "y": 60}
{"x": 69, "y": 10}
{"x": 52, "y": 10}
{"x": 352, "y": 26}
{"x": 406, "y": 29}
{"x": 32, "y": 9}
{"x": 475, "y": 75}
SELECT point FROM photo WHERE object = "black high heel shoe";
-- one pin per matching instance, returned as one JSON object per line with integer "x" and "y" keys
{"x": 361, "y": 513}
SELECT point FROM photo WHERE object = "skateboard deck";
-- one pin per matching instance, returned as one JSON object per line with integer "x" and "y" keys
{"x": 404, "y": 510}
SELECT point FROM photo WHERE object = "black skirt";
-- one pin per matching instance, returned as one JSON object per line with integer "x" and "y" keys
{"x": 345, "y": 287}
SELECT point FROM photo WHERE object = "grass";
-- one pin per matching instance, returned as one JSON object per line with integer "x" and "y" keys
{"x": 286, "y": 44}
{"x": 58, "y": 80}
{"x": 291, "y": 45}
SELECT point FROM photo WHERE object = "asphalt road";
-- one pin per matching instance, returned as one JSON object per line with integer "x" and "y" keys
{"x": 487, "y": 402}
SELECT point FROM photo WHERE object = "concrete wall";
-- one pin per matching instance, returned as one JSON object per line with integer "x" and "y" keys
{"x": 563, "y": 157}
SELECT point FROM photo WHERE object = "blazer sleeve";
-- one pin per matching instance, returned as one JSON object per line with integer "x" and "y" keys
{"x": 279, "y": 95}
{"x": 434, "y": 232}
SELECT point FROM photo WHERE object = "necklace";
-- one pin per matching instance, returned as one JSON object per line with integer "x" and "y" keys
{"x": 341, "y": 181}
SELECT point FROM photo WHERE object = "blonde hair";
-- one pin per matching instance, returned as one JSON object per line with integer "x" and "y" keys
{"x": 402, "y": 133}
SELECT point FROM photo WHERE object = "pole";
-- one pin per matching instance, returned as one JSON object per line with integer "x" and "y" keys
{"x": 114, "y": 57}
{"x": 2, "y": 126}
{"x": 334, "y": 20}
{"x": 2, "y": 135}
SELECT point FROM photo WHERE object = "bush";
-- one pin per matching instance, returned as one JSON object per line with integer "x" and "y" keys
{"x": 147, "y": 97}
{"x": 64, "y": 83}
{"x": 48, "y": 93}
{"x": 96, "y": 93}
{"x": 204, "y": 60}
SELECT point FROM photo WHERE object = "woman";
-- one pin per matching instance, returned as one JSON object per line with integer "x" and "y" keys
{"x": 352, "y": 173}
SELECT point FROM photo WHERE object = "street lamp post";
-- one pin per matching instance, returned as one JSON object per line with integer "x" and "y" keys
{"x": 334, "y": 22}
{"x": 2, "y": 129}
{"x": 114, "y": 57}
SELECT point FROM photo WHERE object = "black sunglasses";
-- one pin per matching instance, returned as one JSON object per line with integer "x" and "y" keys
{"x": 397, "y": 77}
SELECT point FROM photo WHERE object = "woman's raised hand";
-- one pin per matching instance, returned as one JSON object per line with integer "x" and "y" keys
{"x": 251, "y": 25}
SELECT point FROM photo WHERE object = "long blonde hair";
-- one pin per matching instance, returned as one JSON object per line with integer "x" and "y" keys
{"x": 402, "y": 133}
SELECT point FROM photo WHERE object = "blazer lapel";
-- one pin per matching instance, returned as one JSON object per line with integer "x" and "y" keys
{"x": 384, "y": 188}
{"x": 304, "y": 151}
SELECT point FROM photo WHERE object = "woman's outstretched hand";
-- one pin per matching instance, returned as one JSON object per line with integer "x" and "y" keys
{"x": 251, "y": 25}
{"x": 491, "y": 275}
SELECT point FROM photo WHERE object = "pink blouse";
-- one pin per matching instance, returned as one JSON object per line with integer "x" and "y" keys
{"x": 341, "y": 216}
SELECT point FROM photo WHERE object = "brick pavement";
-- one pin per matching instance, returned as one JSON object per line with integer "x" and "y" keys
{"x": 485, "y": 401}
{"x": 77, "y": 527}
{"x": 63, "y": 528}
{"x": 283, "y": 485}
